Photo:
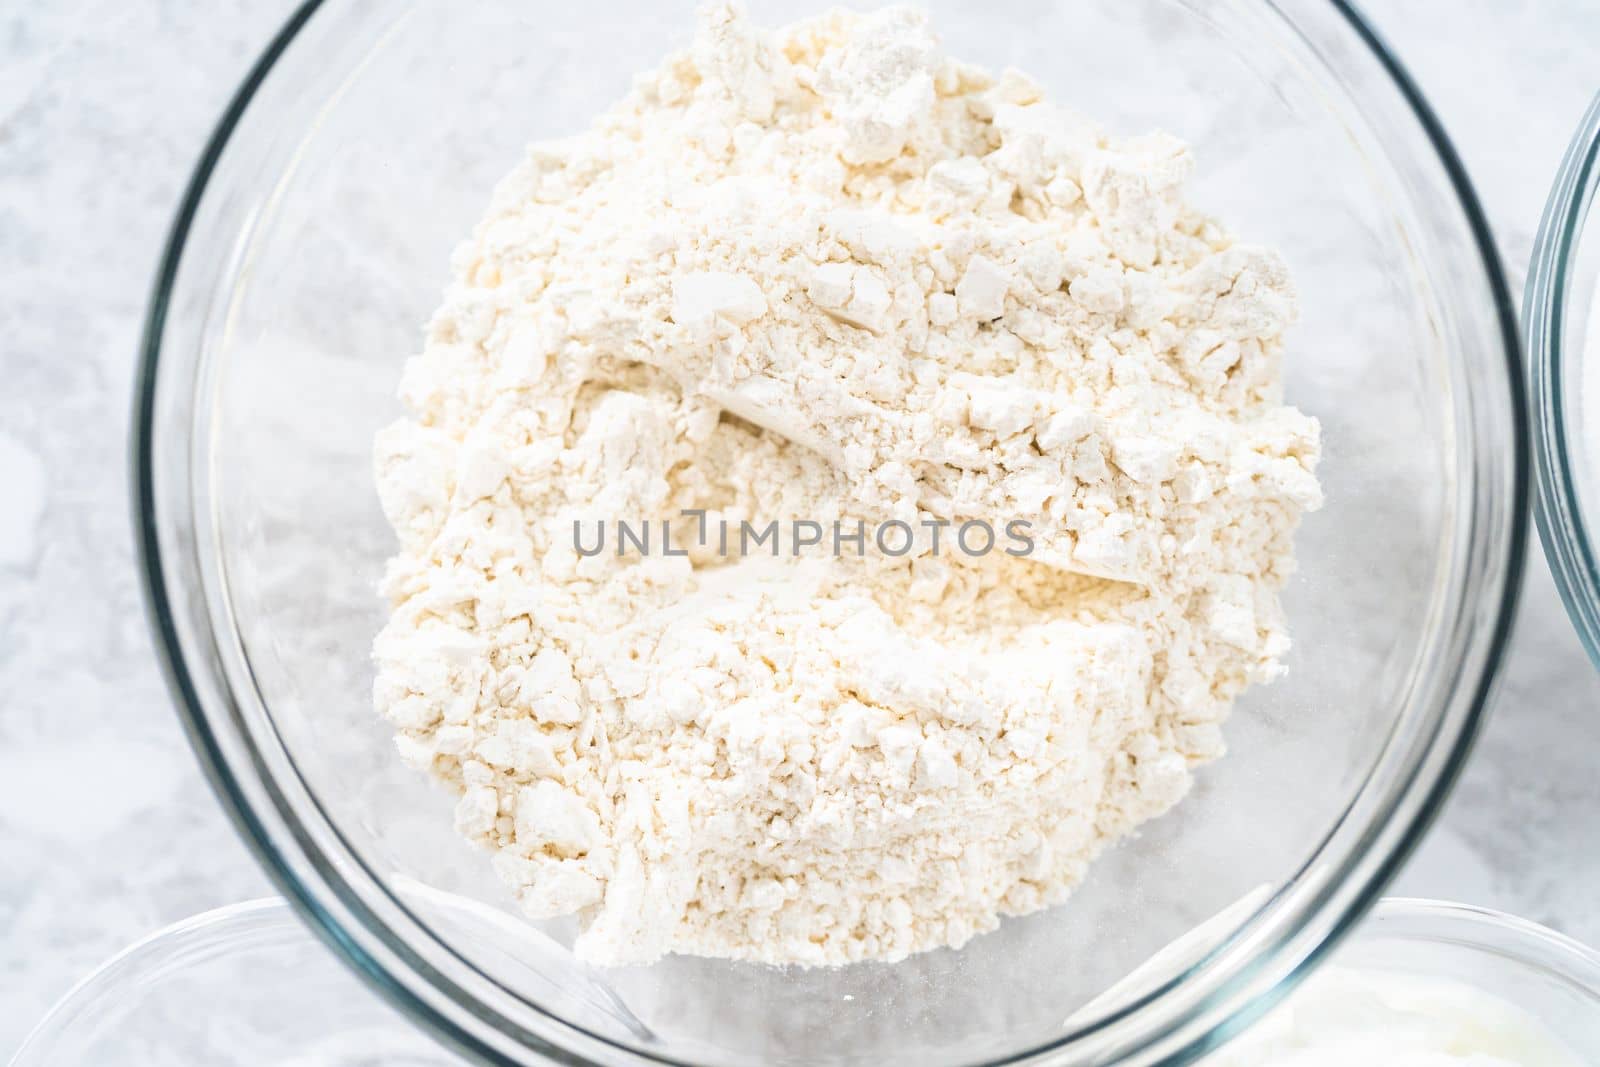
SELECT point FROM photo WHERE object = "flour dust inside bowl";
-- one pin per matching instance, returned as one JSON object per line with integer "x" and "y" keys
{"x": 314, "y": 244}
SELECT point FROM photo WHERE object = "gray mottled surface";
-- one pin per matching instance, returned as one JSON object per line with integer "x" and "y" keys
{"x": 106, "y": 829}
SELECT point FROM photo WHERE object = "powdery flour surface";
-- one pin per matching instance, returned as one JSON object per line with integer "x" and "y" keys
{"x": 828, "y": 273}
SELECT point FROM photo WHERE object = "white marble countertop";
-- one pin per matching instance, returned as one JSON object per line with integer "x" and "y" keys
{"x": 107, "y": 830}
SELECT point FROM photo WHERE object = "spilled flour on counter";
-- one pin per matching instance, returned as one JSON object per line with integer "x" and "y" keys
{"x": 830, "y": 274}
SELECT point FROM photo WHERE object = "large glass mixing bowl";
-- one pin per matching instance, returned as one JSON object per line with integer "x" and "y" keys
{"x": 313, "y": 242}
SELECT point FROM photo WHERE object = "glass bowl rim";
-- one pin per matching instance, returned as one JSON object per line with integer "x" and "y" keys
{"x": 259, "y": 837}
{"x": 1470, "y": 926}
{"x": 133, "y": 955}
{"x": 1547, "y": 298}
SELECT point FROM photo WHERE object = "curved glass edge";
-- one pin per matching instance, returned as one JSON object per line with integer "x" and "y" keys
{"x": 1490, "y": 929}
{"x": 141, "y": 958}
{"x": 1393, "y": 918}
{"x": 1546, "y": 301}
{"x": 1370, "y": 895}
{"x": 159, "y": 609}
{"x": 328, "y": 928}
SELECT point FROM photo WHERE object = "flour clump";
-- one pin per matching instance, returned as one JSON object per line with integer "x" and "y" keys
{"x": 827, "y": 282}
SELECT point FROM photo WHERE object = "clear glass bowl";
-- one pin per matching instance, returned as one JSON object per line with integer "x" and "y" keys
{"x": 313, "y": 242}
{"x": 1427, "y": 951}
{"x": 248, "y": 984}
{"x": 1563, "y": 335}
{"x": 1551, "y": 978}
{"x": 243, "y": 985}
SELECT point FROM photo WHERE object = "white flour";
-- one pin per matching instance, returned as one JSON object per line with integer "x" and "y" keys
{"x": 830, "y": 274}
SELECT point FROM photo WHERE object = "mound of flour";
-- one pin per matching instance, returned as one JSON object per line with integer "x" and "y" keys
{"x": 830, "y": 274}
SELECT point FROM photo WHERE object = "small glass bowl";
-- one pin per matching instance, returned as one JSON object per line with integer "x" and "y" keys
{"x": 245, "y": 984}
{"x": 1548, "y": 977}
{"x": 248, "y": 984}
{"x": 1563, "y": 340}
